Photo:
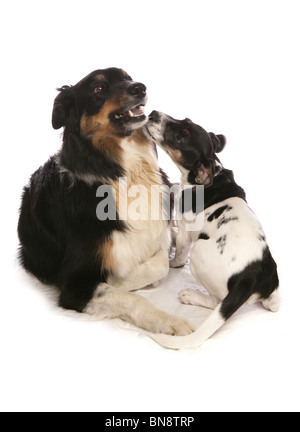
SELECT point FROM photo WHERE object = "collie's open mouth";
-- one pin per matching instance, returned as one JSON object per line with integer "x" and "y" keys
{"x": 136, "y": 113}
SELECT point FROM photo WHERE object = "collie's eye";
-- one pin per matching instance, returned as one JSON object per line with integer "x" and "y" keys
{"x": 98, "y": 89}
{"x": 178, "y": 137}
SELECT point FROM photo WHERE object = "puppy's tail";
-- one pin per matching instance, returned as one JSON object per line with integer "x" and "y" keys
{"x": 234, "y": 300}
{"x": 214, "y": 321}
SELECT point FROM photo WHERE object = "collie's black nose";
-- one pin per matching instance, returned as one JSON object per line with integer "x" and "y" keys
{"x": 137, "y": 90}
{"x": 154, "y": 117}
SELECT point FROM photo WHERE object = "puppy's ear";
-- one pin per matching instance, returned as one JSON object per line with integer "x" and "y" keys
{"x": 203, "y": 175}
{"x": 219, "y": 142}
{"x": 62, "y": 106}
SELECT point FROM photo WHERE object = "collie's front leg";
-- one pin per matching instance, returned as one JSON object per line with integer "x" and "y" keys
{"x": 152, "y": 270}
{"x": 111, "y": 302}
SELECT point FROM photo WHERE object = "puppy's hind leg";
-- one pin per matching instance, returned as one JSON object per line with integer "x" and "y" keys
{"x": 197, "y": 298}
{"x": 272, "y": 303}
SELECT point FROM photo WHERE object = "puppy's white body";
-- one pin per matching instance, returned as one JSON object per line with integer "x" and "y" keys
{"x": 229, "y": 249}
{"x": 230, "y": 256}
{"x": 227, "y": 245}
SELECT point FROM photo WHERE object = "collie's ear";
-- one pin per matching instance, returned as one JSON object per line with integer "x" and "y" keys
{"x": 219, "y": 142}
{"x": 62, "y": 106}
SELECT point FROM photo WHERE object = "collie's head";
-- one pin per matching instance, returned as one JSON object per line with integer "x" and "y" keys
{"x": 97, "y": 114}
{"x": 104, "y": 103}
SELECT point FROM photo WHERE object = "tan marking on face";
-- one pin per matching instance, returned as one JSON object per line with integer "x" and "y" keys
{"x": 101, "y": 131}
{"x": 175, "y": 155}
{"x": 125, "y": 74}
{"x": 187, "y": 132}
{"x": 100, "y": 77}
{"x": 199, "y": 178}
{"x": 91, "y": 124}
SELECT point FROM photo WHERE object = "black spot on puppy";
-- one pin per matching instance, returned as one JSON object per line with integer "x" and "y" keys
{"x": 217, "y": 213}
{"x": 257, "y": 277}
{"x": 203, "y": 236}
{"x": 225, "y": 220}
{"x": 221, "y": 243}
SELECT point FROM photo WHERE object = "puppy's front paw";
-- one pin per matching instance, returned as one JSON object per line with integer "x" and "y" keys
{"x": 175, "y": 263}
{"x": 189, "y": 296}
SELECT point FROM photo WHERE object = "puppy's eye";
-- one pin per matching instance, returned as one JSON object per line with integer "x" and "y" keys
{"x": 98, "y": 89}
{"x": 178, "y": 138}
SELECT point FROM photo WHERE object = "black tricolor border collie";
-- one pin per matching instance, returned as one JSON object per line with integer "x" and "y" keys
{"x": 96, "y": 263}
{"x": 230, "y": 256}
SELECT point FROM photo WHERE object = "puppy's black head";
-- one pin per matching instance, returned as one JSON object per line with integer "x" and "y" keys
{"x": 106, "y": 102}
{"x": 189, "y": 145}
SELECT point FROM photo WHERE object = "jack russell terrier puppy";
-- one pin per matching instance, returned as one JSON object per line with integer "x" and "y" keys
{"x": 230, "y": 256}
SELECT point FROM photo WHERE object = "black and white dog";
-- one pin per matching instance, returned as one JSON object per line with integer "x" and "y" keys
{"x": 230, "y": 256}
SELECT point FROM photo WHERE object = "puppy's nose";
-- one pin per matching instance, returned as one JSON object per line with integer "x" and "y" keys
{"x": 154, "y": 117}
{"x": 137, "y": 90}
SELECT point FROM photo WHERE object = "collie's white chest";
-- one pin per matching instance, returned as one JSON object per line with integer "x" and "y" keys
{"x": 140, "y": 198}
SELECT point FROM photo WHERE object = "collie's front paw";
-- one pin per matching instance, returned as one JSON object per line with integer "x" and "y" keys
{"x": 173, "y": 325}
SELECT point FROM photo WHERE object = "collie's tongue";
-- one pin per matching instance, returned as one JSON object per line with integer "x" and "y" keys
{"x": 136, "y": 112}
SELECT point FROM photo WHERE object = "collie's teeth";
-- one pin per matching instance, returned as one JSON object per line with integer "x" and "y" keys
{"x": 130, "y": 113}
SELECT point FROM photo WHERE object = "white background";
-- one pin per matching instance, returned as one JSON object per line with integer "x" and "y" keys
{"x": 231, "y": 66}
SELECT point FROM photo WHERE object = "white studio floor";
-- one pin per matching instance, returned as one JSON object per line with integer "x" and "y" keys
{"x": 234, "y": 68}
{"x": 56, "y": 360}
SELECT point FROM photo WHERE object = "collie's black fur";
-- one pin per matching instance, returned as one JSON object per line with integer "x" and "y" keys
{"x": 58, "y": 228}
{"x": 59, "y": 233}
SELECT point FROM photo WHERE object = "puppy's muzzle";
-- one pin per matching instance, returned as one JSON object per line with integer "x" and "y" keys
{"x": 155, "y": 117}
